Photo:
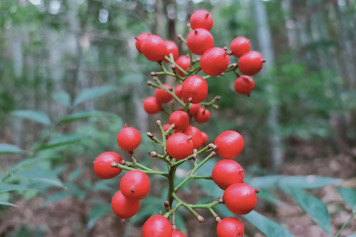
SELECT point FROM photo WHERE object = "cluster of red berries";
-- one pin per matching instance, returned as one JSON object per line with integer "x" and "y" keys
{"x": 181, "y": 140}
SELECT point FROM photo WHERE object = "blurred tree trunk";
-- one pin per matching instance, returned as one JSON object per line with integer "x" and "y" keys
{"x": 265, "y": 45}
{"x": 290, "y": 27}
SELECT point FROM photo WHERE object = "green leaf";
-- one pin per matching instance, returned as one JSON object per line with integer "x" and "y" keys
{"x": 97, "y": 213}
{"x": 92, "y": 93}
{"x": 315, "y": 208}
{"x": 11, "y": 187}
{"x": 269, "y": 196}
{"x": 349, "y": 196}
{"x": 180, "y": 222}
{"x": 9, "y": 149}
{"x": 266, "y": 226}
{"x": 39, "y": 174}
{"x": 307, "y": 182}
{"x": 75, "y": 174}
{"x": 56, "y": 197}
{"x": 265, "y": 182}
{"x": 62, "y": 141}
{"x": 33, "y": 115}
{"x": 80, "y": 116}
{"x": 3, "y": 202}
{"x": 62, "y": 98}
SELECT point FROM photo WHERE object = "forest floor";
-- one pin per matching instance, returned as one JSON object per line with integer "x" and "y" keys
{"x": 63, "y": 218}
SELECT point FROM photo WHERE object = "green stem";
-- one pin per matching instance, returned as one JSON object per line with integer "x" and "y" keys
{"x": 174, "y": 63}
{"x": 160, "y": 86}
{"x": 171, "y": 176}
{"x": 201, "y": 177}
{"x": 186, "y": 179}
{"x": 192, "y": 156}
{"x": 146, "y": 171}
{"x": 346, "y": 223}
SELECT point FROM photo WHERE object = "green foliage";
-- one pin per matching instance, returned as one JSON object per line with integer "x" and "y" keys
{"x": 35, "y": 116}
{"x": 349, "y": 196}
{"x": 10, "y": 149}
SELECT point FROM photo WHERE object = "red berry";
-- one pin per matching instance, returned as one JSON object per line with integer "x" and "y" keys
{"x": 102, "y": 165}
{"x": 230, "y": 227}
{"x": 154, "y": 48}
{"x": 163, "y": 96}
{"x": 194, "y": 109}
{"x": 157, "y": 226}
{"x": 179, "y": 146}
{"x": 172, "y": 48}
{"x": 135, "y": 185}
{"x": 124, "y": 207}
{"x": 201, "y": 19}
{"x": 250, "y": 63}
{"x": 200, "y": 40}
{"x": 151, "y": 105}
{"x": 240, "y": 198}
{"x": 177, "y": 233}
{"x": 244, "y": 85}
{"x": 180, "y": 119}
{"x": 230, "y": 144}
{"x": 205, "y": 137}
{"x": 202, "y": 116}
{"x": 197, "y": 138}
{"x": 128, "y": 138}
{"x": 178, "y": 91}
{"x": 214, "y": 61}
{"x": 194, "y": 89}
{"x": 240, "y": 46}
{"x": 227, "y": 172}
{"x": 139, "y": 40}
{"x": 184, "y": 63}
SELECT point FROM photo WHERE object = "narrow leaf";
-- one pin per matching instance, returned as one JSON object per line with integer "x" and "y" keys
{"x": 9, "y": 149}
{"x": 307, "y": 182}
{"x": 33, "y": 115}
{"x": 3, "y": 202}
{"x": 349, "y": 196}
{"x": 39, "y": 174}
{"x": 62, "y": 98}
{"x": 315, "y": 208}
{"x": 92, "y": 93}
{"x": 62, "y": 141}
{"x": 11, "y": 187}
{"x": 267, "y": 226}
{"x": 56, "y": 198}
{"x": 80, "y": 116}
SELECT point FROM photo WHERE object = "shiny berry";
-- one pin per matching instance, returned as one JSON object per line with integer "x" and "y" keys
{"x": 177, "y": 233}
{"x": 240, "y": 198}
{"x": 250, "y": 63}
{"x": 179, "y": 146}
{"x": 124, "y": 207}
{"x": 102, "y": 165}
{"x": 214, "y": 61}
{"x": 139, "y": 40}
{"x": 201, "y": 19}
{"x": 202, "y": 116}
{"x": 199, "y": 40}
{"x": 184, "y": 63}
{"x": 244, "y": 85}
{"x": 163, "y": 96}
{"x": 205, "y": 138}
{"x": 195, "y": 133}
{"x": 178, "y": 91}
{"x": 154, "y": 48}
{"x": 157, "y": 226}
{"x": 227, "y": 172}
{"x": 180, "y": 119}
{"x": 151, "y": 105}
{"x": 128, "y": 138}
{"x": 230, "y": 144}
{"x": 172, "y": 49}
{"x": 194, "y": 89}
{"x": 240, "y": 46}
{"x": 230, "y": 227}
{"x": 135, "y": 184}
{"x": 194, "y": 109}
